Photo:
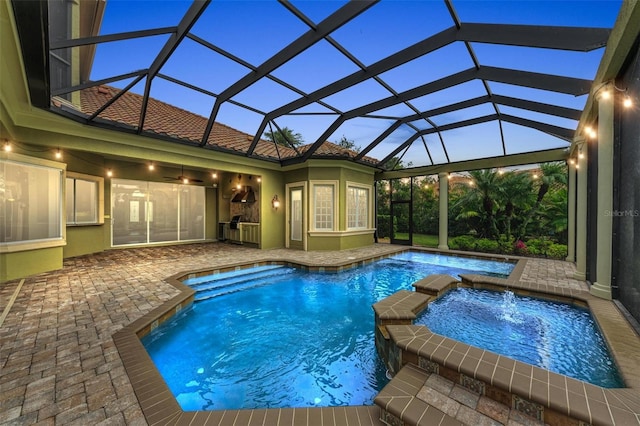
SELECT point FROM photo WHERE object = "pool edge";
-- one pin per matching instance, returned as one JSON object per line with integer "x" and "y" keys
{"x": 160, "y": 406}
{"x": 517, "y": 383}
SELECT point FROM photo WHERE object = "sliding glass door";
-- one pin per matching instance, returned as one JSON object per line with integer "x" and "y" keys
{"x": 153, "y": 212}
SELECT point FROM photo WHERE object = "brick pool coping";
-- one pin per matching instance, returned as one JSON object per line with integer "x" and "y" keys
{"x": 156, "y": 399}
{"x": 160, "y": 406}
{"x": 539, "y": 393}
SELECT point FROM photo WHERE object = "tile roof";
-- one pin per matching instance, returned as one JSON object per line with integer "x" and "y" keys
{"x": 167, "y": 120}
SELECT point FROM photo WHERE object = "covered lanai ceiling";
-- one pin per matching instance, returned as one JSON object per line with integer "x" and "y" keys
{"x": 424, "y": 82}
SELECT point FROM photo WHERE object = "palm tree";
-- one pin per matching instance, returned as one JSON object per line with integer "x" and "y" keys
{"x": 348, "y": 144}
{"x": 514, "y": 190}
{"x": 479, "y": 201}
{"x": 285, "y": 137}
{"x": 554, "y": 213}
{"x": 552, "y": 174}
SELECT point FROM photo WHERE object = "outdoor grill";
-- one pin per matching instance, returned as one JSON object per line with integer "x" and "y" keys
{"x": 234, "y": 222}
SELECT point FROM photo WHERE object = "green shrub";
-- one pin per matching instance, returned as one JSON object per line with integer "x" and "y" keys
{"x": 506, "y": 245}
{"x": 539, "y": 246}
{"x": 487, "y": 246}
{"x": 383, "y": 226}
{"x": 557, "y": 251}
{"x": 462, "y": 242}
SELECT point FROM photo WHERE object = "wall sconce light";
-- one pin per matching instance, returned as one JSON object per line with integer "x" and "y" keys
{"x": 7, "y": 147}
{"x": 109, "y": 173}
{"x": 58, "y": 154}
{"x": 275, "y": 203}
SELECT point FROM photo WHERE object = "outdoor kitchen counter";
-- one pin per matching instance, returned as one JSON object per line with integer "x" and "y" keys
{"x": 247, "y": 233}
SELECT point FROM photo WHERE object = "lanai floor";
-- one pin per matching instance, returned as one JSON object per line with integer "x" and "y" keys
{"x": 58, "y": 361}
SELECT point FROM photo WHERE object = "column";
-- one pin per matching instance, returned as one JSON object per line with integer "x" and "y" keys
{"x": 581, "y": 217}
{"x": 571, "y": 214}
{"x": 604, "y": 229}
{"x": 443, "y": 195}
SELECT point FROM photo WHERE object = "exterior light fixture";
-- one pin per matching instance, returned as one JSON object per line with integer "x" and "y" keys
{"x": 259, "y": 179}
{"x": 151, "y": 167}
{"x": 7, "y": 147}
{"x": 214, "y": 175}
{"x": 185, "y": 180}
{"x": 109, "y": 173}
{"x": 535, "y": 176}
{"x": 627, "y": 103}
{"x": 58, "y": 154}
{"x": 275, "y": 203}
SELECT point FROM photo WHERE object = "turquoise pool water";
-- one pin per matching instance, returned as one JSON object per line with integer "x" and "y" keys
{"x": 555, "y": 336}
{"x": 288, "y": 338}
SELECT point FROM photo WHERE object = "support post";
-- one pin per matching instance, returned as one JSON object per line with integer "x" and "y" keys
{"x": 581, "y": 217}
{"x": 571, "y": 214}
{"x": 604, "y": 228}
{"x": 443, "y": 195}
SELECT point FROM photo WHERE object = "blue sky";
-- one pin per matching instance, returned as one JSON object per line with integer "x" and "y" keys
{"x": 255, "y": 30}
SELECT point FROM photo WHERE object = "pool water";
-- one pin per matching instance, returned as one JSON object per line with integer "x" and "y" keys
{"x": 555, "y": 336}
{"x": 295, "y": 339}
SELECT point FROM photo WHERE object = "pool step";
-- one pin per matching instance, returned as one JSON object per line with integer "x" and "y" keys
{"x": 228, "y": 282}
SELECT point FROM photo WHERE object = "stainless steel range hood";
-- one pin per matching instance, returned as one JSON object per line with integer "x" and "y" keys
{"x": 246, "y": 195}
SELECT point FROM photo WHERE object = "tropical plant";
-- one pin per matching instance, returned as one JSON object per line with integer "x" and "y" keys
{"x": 479, "y": 201}
{"x": 552, "y": 173}
{"x": 348, "y": 144}
{"x": 425, "y": 206}
{"x": 553, "y": 214}
{"x": 513, "y": 195}
{"x": 285, "y": 137}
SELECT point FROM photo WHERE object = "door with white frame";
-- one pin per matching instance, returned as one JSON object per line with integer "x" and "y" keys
{"x": 296, "y": 216}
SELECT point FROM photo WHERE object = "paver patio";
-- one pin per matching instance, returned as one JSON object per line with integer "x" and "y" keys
{"x": 58, "y": 362}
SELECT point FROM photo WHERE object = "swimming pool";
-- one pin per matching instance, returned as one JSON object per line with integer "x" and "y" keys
{"x": 305, "y": 339}
{"x": 555, "y": 336}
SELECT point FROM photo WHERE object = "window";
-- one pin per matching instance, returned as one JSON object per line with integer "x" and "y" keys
{"x": 324, "y": 204}
{"x": 84, "y": 199}
{"x": 30, "y": 203}
{"x": 357, "y": 206}
{"x": 153, "y": 212}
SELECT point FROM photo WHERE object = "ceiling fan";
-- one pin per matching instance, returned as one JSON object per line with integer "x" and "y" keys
{"x": 183, "y": 178}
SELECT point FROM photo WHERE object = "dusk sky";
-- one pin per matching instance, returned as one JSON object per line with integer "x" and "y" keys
{"x": 255, "y": 30}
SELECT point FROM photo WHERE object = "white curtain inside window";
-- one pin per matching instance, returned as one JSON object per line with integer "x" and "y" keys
{"x": 151, "y": 212}
{"x": 30, "y": 202}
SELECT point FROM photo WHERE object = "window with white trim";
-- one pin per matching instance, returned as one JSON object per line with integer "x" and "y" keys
{"x": 83, "y": 196}
{"x": 358, "y": 207}
{"x": 30, "y": 202}
{"x": 324, "y": 204}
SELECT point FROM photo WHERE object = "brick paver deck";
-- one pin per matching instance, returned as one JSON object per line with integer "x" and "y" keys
{"x": 58, "y": 362}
